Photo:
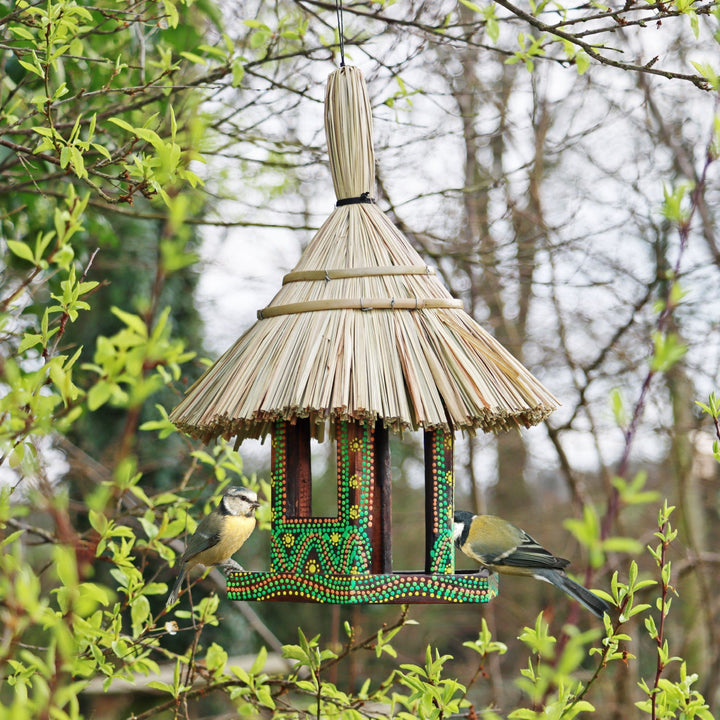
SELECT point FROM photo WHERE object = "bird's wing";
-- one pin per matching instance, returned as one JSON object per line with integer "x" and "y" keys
{"x": 529, "y": 554}
{"x": 206, "y": 535}
{"x": 497, "y": 542}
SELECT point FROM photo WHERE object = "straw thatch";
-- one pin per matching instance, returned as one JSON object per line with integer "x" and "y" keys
{"x": 361, "y": 328}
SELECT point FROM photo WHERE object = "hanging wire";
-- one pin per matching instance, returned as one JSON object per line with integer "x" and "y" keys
{"x": 341, "y": 30}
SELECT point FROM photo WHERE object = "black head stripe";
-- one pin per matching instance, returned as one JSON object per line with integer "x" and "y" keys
{"x": 464, "y": 517}
{"x": 463, "y": 536}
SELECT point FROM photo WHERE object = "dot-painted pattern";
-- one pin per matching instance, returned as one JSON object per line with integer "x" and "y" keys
{"x": 364, "y": 588}
{"x": 442, "y": 555}
{"x": 326, "y": 545}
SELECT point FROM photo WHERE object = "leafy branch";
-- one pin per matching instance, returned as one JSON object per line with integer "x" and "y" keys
{"x": 679, "y": 207}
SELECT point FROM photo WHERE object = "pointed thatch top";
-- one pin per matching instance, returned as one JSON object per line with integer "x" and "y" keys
{"x": 361, "y": 328}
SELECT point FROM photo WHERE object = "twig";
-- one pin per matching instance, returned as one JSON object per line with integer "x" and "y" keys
{"x": 696, "y": 80}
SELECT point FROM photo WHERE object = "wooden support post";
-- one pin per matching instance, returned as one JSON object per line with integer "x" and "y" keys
{"x": 382, "y": 503}
{"x": 431, "y": 527}
{"x": 298, "y": 501}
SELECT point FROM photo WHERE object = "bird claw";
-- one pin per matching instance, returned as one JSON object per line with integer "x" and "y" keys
{"x": 231, "y": 566}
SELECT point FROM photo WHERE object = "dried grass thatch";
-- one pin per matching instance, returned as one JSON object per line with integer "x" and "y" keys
{"x": 361, "y": 328}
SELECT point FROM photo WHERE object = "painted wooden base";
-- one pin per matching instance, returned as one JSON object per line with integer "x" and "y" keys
{"x": 398, "y": 587}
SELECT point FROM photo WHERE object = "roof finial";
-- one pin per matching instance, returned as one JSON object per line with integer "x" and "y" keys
{"x": 348, "y": 126}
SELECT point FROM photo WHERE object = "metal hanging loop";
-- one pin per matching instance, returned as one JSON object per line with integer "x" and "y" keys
{"x": 341, "y": 30}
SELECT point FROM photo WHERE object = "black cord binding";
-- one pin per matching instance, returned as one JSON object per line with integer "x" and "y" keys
{"x": 364, "y": 198}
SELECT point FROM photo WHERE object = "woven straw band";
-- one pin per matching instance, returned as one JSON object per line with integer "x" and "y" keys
{"x": 365, "y": 305}
{"x": 310, "y": 275}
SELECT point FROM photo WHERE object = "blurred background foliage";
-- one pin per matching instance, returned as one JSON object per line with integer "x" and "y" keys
{"x": 162, "y": 164}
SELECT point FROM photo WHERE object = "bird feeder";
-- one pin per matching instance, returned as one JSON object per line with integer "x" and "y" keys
{"x": 361, "y": 340}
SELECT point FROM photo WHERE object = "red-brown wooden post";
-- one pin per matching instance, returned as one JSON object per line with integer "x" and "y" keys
{"x": 382, "y": 503}
{"x": 298, "y": 501}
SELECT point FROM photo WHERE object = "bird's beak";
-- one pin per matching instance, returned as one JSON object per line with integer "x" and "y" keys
{"x": 255, "y": 505}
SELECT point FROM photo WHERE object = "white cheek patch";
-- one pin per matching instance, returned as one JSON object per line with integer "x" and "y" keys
{"x": 457, "y": 531}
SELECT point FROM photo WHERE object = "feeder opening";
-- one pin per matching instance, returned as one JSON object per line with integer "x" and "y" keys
{"x": 325, "y": 481}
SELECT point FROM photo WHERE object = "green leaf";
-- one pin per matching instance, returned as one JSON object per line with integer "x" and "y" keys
{"x": 163, "y": 687}
{"x": 215, "y": 658}
{"x": 265, "y": 697}
{"x": 259, "y": 662}
{"x": 102, "y": 150}
{"x": 238, "y": 71}
{"x": 139, "y": 613}
{"x": 294, "y": 652}
{"x": 582, "y": 62}
{"x": 45, "y": 132}
{"x": 259, "y": 38}
{"x": 617, "y": 405}
{"x": 21, "y": 32}
{"x": 98, "y": 521}
{"x": 121, "y": 123}
{"x": 33, "y": 68}
{"x": 192, "y": 57}
{"x": 172, "y": 15}
{"x": 21, "y": 249}
{"x": 668, "y": 351}
{"x": 492, "y": 26}
{"x": 152, "y": 137}
{"x": 523, "y": 714}
{"x": 134, "y": 322}
{"x": 30, "y": 340}
{"x": 11, "y": 538}
{"x": 623, "y": 545}
{"x": 99, "y": 394}
{"x": 709, "y": 73}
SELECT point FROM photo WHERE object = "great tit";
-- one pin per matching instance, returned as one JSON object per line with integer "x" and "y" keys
{"x": 219, "y": 535}
{"x": 504, "y": 548}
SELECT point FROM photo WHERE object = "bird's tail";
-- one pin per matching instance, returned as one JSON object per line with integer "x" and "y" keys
{"x": 592, "y": 602}
{"x": 173, "y": 596}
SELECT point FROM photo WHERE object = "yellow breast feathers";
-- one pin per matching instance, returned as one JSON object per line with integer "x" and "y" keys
{"x": 235, "y": 531}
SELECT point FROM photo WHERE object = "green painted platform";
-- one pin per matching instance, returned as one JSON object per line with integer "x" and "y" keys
{"x": 398, "y": 587}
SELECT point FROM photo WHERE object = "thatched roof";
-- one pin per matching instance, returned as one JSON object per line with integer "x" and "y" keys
{"x": 361, "y": 328}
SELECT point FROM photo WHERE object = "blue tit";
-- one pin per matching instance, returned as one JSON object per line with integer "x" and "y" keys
{"x": 504, "y": 548}
{"x": 219, "y": 535}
